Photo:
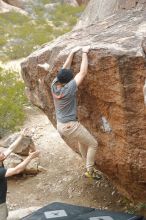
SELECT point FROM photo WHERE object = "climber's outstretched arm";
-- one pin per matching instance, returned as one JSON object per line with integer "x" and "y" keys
{"x": 12, "y": 147}
{"x": 68, "y": 61}
{"x": 84, "y": 66}
{"x": 20, "y": 167}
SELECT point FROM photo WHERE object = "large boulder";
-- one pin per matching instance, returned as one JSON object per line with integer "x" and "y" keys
{"x": 110, "y": 100}
{"x": 100, "y": 9}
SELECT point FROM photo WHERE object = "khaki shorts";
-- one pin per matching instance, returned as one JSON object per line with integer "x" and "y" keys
{"x": 3, "y": 211}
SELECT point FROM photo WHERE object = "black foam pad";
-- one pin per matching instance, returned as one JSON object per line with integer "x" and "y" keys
{"x": 62, "y": 211}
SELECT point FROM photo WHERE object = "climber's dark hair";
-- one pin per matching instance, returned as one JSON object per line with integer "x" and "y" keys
{"x": 65, "y": 75}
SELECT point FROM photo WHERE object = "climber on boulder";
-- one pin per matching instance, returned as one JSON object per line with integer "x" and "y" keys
{"x": 64, "y": 90}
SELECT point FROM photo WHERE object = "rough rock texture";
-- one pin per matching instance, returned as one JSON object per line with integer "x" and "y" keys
{"x": 6, "y": 7}
{"x": 16, "y": 3}
{"x": 98, "y": 10}
{"x": 24, "y": 146}
{"x": 110, "y": 100}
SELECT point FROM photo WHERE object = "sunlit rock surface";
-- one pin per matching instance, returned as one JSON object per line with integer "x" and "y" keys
{"x": 100, "y": 9}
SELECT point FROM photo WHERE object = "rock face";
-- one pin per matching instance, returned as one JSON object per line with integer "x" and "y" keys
{"x": 98, "y": 10}
{"x": 110, "y": 100}
{"x": 24, "y": 146}
{"x": 6, "y": 6}
{"x": 16, "y": 3}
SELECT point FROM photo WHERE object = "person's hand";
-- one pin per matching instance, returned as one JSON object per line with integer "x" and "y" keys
{"x": 34, "y": 154}
{"x": 2, "y": 156}
{"x": 86, "y": 49}
{"x": 75, "y": 49}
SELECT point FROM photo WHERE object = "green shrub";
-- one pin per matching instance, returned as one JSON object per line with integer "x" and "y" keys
{"x": 11, "y": 101}
{"x": 20, "y": 35}
{"x": 2, "y": 41}
{"x": 66, "y": 14}
{"x": 12, "y": 18}
{"x": 46, "y": 1}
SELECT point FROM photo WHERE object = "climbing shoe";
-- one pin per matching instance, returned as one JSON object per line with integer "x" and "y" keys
{"x": 93, "y": 174}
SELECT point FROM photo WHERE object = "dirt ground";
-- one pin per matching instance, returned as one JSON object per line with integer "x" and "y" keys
{"x": 63, "y": 180}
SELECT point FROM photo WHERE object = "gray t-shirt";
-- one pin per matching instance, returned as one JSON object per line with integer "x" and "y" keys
{"x": 65, "y": 101}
